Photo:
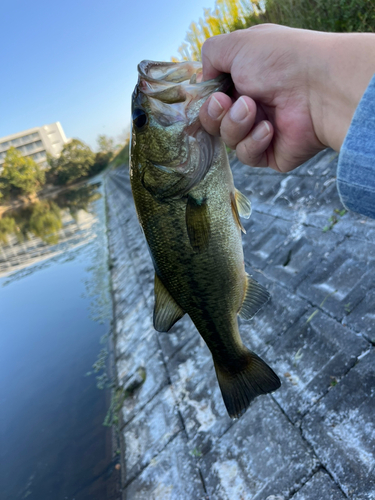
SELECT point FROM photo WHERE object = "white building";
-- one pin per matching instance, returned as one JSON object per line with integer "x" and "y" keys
{"x": 35, "y": 142}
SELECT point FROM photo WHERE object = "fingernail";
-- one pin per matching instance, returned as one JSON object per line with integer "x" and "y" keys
{"x": 214, "y": 108}
{"x": 239, "y": 111}
{"x": 261, "y": 131}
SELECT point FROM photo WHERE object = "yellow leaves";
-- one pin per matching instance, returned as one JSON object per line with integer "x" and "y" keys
{"x": 227, "y": 16}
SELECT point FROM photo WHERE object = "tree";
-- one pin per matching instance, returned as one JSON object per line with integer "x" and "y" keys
{"x": 101, "y": 162}
{"x": 105, "y": 144}
{"x": 230, "y": 15}
{"x": 7, "y": 226}
{"x": 122, "y": 157}
{"x": 21, "y": 173}
{"x": 74, "y": 162}
{"x": 227, "y": 16}
{"x": 45, "y": 221}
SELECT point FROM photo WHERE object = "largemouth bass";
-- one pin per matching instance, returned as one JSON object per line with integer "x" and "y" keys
{"x": 190, "y": 212}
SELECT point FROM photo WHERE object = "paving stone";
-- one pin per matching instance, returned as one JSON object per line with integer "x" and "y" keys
{"x": 311, "y": 185}
{"x": 262, "y": 185}
{"x": 156, "y": 379}
{"x": 300, "y": 255}
{"x": 319, "y": 487}
{"x": 149, "y": 432}
{"x": 180, "y": 333}
{"x": 132, "y": 327}
{"x": 135, "y": 356}
{"x": 197, "y": 390}
{"x": 259, "y": 249}
{"x": 322, "y": 163}
{"x": 362, "y": 318}
{"x": 274, "y": 211}
{"x": 363, "y": 250}
{"x": 356, "y": 226}
{"x": 329, "y": 196}
{"x": 341, "y": 429}
{"x": 171, "y": 475}
{"x": 262, "y": 454}
{"x": 280, "y": 313}
{"x": 255, "y": 226}
{"x": 311, "y": 357}
{"x": 341, "y": 280}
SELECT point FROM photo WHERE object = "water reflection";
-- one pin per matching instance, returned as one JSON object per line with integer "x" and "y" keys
{"x": 46, "y": 228}
{"x": 55, "y": 321}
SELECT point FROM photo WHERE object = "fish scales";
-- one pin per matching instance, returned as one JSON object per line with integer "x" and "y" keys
{"x": 186, "y": 204}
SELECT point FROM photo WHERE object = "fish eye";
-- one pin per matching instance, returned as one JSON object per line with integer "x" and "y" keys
{"x": 139, "y": 118}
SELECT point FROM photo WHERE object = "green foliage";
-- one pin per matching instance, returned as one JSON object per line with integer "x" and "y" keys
{"x": 122, "y": 157}
{"x": 7, "y": 227}
{"x": 20, "y": 175}
{"x": 334, "y": 15}
{"x": 101, "y": 162}
{"x": 334, "y": 219}
{"x": 75, "y": 162}
{"x": 78, "y": 198}
{"x": 320, "y": 15}
{"x": 227, "y": 16}
{"x": 45, "y": 221}
{"x": 105, "y": 144}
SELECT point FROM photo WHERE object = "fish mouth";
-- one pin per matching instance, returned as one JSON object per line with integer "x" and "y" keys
{"x": 172, "y": 94}
{"x": 173, "y": 83}
{"x": 156, "y": 71}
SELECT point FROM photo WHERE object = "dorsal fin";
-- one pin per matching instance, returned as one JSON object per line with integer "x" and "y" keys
{"x": 197, "y": 223}
{"x": 166, "y": 310}
{"x": 236, "y": 215}
{"x": 256, "y": 296}
{"x": 243, "y": 204}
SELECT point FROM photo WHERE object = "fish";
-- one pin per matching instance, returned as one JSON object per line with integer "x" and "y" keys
{"x": 189, "y": 211}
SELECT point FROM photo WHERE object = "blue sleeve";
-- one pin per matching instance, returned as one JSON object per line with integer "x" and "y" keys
{"x": 356, "y": 167}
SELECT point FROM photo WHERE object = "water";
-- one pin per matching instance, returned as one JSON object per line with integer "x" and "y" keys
{"x": 55, "y": 313}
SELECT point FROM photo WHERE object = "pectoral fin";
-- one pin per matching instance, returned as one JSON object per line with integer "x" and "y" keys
{"x": 197, "y": 223}
{"x": 235, "y": 212}
{"x": 166, "y": 310}
{"x": 256, "y": 296}
{"x": 243, "y": 204}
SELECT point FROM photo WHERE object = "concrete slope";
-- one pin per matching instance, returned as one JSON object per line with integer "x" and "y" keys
{"x": 314, "y": 439}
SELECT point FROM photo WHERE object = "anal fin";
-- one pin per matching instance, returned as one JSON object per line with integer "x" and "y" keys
{"x": 166, "y": 310}
{"x": 256, "y": 296}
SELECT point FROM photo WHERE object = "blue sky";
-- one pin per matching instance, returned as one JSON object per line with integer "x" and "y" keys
{"x": 75, "y": 61}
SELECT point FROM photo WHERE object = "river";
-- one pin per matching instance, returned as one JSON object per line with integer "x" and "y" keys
{"x": 55, "y": 320}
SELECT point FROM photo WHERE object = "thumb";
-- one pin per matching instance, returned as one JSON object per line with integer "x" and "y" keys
{"x": 217, "y": 55}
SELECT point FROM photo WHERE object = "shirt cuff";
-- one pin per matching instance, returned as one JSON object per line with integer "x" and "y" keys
{"x": 356, "y": 167}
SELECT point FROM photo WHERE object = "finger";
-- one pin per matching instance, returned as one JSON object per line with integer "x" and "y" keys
{"x": 237, "y": 123}
{"x": 213, "y": 111}
{"x": 216, "y": 55}
{"x": 252, "y": 149}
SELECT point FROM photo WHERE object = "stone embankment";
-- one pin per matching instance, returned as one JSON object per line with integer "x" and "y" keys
{"x": 314, "y": 439}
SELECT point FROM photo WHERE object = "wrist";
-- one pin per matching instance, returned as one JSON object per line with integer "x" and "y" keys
{"x": 345, "y": 66}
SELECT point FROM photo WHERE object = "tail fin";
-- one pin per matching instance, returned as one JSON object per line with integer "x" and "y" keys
{"x": 240, "y": 387}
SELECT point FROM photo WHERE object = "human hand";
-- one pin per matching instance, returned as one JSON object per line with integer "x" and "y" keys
{"x": 295, "y": 91}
